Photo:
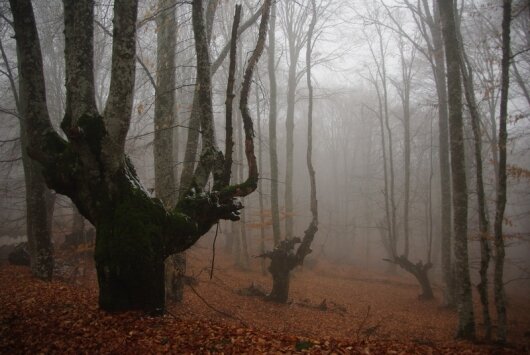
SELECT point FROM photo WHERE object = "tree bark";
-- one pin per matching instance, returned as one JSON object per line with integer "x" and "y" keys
{"x": 485, "y": 254}
{"x": 420, "y": 272}
{"x": 275, "y": 210}
{"x": 165, "y": 117}
{"x": 466, "y": 322}
{"x": 500, "y": 301}
{"x": 260, "y": 183}
{"x": 39, "y": 199}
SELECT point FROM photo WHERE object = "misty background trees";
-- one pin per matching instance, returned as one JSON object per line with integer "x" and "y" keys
{"x": 384, "y": 141}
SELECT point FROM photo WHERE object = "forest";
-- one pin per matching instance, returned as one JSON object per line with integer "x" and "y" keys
{"x": 265, "y": 176}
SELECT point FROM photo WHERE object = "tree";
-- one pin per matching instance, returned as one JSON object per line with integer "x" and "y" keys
{"x": 275, "y": 210}
{"x": 466, "y": 322}
{"x": 428, "y": 24}
{"x": 283, "y": 258}
{"x": 294, "y": 17}
{"x": 500, "y": 302}
{"x": 39, "y": 199}
{"x": 192, "y": 143}
{"x": 380, "y": 81}
{"x": 485, "y": 253}
{"x": 164, "y": 120}
{"x": 134, "y": 233}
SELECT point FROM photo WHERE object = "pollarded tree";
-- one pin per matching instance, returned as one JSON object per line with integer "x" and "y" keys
{"x": 284, "y": 258}
{"x": 134, "y": 232}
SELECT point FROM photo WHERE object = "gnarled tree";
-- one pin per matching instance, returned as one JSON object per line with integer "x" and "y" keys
{"x": 283, "y": 258}
{"x": 134, "y": 232}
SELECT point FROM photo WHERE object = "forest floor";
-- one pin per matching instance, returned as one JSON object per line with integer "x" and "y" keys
{"x": 332, "y": 309}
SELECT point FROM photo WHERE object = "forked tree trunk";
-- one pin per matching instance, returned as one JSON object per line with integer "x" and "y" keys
{"x": 134, "y": 233}
{"x": 283, "y": 258}
{"x": 420, "y": 272}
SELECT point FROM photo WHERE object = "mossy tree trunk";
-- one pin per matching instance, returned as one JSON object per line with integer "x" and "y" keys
{"x": 134, "y": 233}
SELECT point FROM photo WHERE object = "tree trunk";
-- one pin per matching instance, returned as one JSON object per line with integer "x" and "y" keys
{"x": 275, "y": 209}
{"x": 482, "y": 287}
{"x": 280, "y": 284}
{"x": 38, "y": 220}
{"x": 283, "y": 259}
{"x": 245, "y": 260}
{"x": 130, "y": 252}
{"x": 165, "y": 118}
{"x": 420, "y": 272}
{"x": 289, "y": 131}
{"x": 466, "y": 322}
{"x": 40, "y": 200}
{"x": 500, "y": 301}
{"x": 260, "y": 184}
{"x": 445, "y": 168}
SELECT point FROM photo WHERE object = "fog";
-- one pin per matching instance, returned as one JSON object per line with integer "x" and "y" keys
{"x": 375, "y": 106}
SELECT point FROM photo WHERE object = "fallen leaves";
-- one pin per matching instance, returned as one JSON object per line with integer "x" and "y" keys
{"x": 56, "y": 317}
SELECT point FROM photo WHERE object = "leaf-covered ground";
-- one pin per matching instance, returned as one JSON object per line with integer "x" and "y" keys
{"x": 364, "y": 313}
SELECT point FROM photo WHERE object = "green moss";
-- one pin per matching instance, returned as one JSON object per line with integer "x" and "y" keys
{"x": 249, "y": 185}
{"x": 130, "y": 253}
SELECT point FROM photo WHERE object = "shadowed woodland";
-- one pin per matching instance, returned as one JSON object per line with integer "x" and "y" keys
{"x": 265, "y": 176}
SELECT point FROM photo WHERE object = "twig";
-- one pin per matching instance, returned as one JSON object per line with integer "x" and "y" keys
{"x": 363, "y": 322}
{"x": 213, "y": 250}
{"x": 215, "y": 309}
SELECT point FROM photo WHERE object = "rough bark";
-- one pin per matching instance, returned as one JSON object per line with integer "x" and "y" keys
{"x": 39, "y": 200}
{"x": 485, "y": 253}
{"x": 260, "y": 183}
{"x": 39, "y": 210}
{"x": 243, "y": 257}
{"x": 275, "y": 209}
{"x": 229, "y": 140}
{"x": 466, "y": 322}
{"x": 165, "y": 117}
{"x": 500, "y": 301}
